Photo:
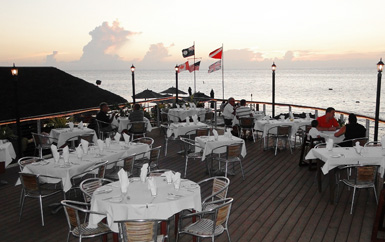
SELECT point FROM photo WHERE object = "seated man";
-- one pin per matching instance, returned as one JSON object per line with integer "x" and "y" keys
{"x": 102, "y": 116}
{"x": 352, "y": 130}
{"x": 328, "y": 122}
{"x": 137, "y": 114}
{"x": 228, "y": 112}
{"x": 243, "y": 111}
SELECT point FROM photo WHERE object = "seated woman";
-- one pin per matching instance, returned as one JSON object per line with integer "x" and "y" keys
{"x": 352, "y": 130}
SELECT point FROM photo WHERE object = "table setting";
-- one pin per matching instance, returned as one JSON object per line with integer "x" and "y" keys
{"x": 63, "y": 134}
{"x": 178, "y": 129}
{"x": 144, "y": 197}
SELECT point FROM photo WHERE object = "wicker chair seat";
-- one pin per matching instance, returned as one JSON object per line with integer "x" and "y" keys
{"x": 101, "y": 229}
{"x": 204, "y": 227}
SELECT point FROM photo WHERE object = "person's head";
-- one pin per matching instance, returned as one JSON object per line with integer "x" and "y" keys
{"x": 352, "y": 118}
{"x": 330, "y": 112}
{"x": 243, "y": 102}
{"x": 103, "y": 107}
{"x": 231, "y": 101}
{"x": 137, "y": 106}
{"x": 314, "y": 123}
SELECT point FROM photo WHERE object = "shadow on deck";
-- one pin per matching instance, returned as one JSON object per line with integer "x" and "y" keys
{"x": 278, "y": 201}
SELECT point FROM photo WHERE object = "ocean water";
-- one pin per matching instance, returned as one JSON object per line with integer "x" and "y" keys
{"x": 350, "y": 90}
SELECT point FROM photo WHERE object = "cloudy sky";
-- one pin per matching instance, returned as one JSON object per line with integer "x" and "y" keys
{"x": 100, "y": 34}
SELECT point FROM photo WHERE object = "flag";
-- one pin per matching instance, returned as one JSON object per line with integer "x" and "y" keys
{"x": 216, "y": 54}
{"x": 195, "y": 67}
{"x": 216, "y": 66}
{"x": 183, "y": 67}
{"x": 188, "y": 52}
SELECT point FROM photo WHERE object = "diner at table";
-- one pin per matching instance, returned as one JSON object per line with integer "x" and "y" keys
{"x": 327, "y": 122}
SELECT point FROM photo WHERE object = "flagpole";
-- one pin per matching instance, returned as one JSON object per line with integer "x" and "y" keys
{"x": 195, "y": 88}
{"x": 223, "y": 79}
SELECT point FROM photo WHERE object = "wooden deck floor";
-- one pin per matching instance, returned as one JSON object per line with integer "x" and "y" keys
{"x": 278, "y": 201}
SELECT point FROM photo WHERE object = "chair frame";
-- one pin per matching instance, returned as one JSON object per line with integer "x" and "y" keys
{"x": 40, "y": 144}
{"x": 88, "y": 186}
{"x": 144, "y": 140}
{"x": 219, "y": 217}
{"x": 102, "y": 132}
{"x": 232, "y": 155}
{"x": 220, "y": 187}
{"x": 133, "y": 132}
{"x": 140, "y": 230}
{"x": 72, "y": 209}
{"x": 246, "y": 123}
{"x": 280, "y": 134}
{"x": 188, "y": 143}
{"x": 32, "y": 189}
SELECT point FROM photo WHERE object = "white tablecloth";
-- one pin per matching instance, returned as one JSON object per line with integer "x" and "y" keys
{"x": 124, "y": 122}
{"x": 113, "y": 153}
{"x": 7, "y": 153}
{"x": 209, "y": 143}
{"x": 141, "y": 204}
{"x": 330, "y": 135}
{"x": 63, "y": 134}
{"x": 182, "y": 128}
{"x": 265, "y": 125}
{"x": 257, "y": 115}
{"x": 181, "y": 113}
{"x": 345, "y": 156}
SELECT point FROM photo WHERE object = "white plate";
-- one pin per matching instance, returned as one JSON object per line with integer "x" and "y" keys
{"x": 336, "y": 156}
{"x": 104, "y": 190}
{"x": 115, "y": 200}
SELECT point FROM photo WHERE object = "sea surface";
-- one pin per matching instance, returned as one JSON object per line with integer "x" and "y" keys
{"x": 350, "y": 90}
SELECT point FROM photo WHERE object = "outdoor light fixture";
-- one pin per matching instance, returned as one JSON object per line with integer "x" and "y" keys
{"x": 14, "y": 70}
{"x": 176, "y": 83}
{"x": 380, "y": 66}
{"x": 273, "y": 67}
{"x": 133, "y": 83}
{"x": 15, "y": 73}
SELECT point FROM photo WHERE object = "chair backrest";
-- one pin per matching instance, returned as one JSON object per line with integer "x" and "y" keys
{"x": 41, "y": 140}
{"x": 144, "y": 140}
{"x": 366, "y": 173}
{"x": 138, "y": 230}
{"x": 27, "y": 160}
{"x": 223, "y": 212}
{"x": 246, "y": 122}
{"x": 30, "y": 182}
{"x": 138, "y": 127}
{"x": 158, "y": 172}
{"x": 323, "y": 145}
{"x": 164, "y": 117}
{"x": 128, "y": 164}
{"x": 154, "y": 155}
{"x": 362, "y": 140}
{"x": 202, "y": 132}
{"x": 284, "y": 130}
{"x": 88, "y": 187}
{"x": 88, "y": 137}
{"x": 234, "y": 150}
{"x": 214, "y": 188}
{"x": 373, "y": 144}
{"x": 209, "y": 116}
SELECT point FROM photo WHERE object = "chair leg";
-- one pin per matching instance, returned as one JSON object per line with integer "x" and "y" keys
{"x": 375, "y": 194}
{"x": 226, "y": 169}
{"x": 185, "y": 167}
{"x": 276, "y": 146}
{"x": 21, "y": 207}
{"x": 354, "y": 193}
{"x": 243, "y": 174}
{"x": 165, "y": 147}
{"x": 228, "y": 234}
{"x": 41, "y": 210}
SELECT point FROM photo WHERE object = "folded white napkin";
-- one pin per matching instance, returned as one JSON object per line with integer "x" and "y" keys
{"x": 66, "y": 154}
{"x": 80, "y": 125}
{"x": 123, "y": 179}
{"x": 177, "y": 105}
{"x": 195, "y": 119}
{"x": 117, "y": 136}
{"x": 329, "y": 144}
{"x": 143, "y": 172}
{"x": 358, "y": 147}
{"x": 307, "y": 116}
{"x": 108, "y": 142}
{"x": 100, "y": 144}
{"x": 188, "y": 120}
{"x": 383, "y": 142}
{"x": 152, "y": 185}
{"x": 85, "y": 144}
{"x": 282, "y": 117}
{"x": 176, "y": 180}
{"x": 79, "y": 151}
{"x": 71, "y": 124}
{"x": 184, "y": 106}
{"x": 169, "y": 132}
{"x": 55, "y": 154}
{"x": 126, "y": 138}
{"x": 192, "y": 105}
{"x": 168, "y": 176}
{"x": 215, "y": 133}
{"x": 291, "y": 116}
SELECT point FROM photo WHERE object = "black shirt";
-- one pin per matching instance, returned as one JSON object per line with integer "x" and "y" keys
{"x": 355, "y": 131}
{"x": 102, "y": 116}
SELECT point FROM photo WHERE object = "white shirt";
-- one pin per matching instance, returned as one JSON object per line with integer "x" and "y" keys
{"x": 314, "y": 133}
{"x": 228, "y": 111}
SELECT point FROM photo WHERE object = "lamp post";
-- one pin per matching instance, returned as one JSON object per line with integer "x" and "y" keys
{"x": 176, "y": 83}
{"x": 273, "y": 67}
{"x": 15, "y": 72}
{"x": 133, "y": 82}
{"x": 380, "y": 66}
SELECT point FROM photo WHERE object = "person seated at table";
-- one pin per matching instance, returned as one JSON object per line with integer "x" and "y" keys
{"x": 102, "y": 116}
{"x": 327, "y": 122}
{"x": 228, "y": 112}
{"x": 137, "y": 114}
{"x": 243, "y": 111}
{"x": 352, "y": 130}
{"x": 314, "y": 132}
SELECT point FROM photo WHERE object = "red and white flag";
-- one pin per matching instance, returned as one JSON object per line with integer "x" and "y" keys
{"x": 216, "y": 66}
{"x": 216, "y": 54}
{"x": 195, "y": 67}
{"x": 183, "y": 67}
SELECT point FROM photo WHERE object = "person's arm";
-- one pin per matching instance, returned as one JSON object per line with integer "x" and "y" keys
{"x": 336, "y": 124}
{"x": 340, "y": 132}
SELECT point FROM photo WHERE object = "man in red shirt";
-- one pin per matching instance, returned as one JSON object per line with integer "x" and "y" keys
{"x": 328, "y": 122}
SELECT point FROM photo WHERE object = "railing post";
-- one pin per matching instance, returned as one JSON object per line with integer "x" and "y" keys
{"x": 215, "y": 114}
{"x": 157, "y": 115}
{"x": 257, "y": 106}
{"x": 264, "y": 109}
{"x": 367, "y": 128}
{"x": 316, "y": 114}
{"x": 289, "y": 108}
{"x": 38, "y": 123}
